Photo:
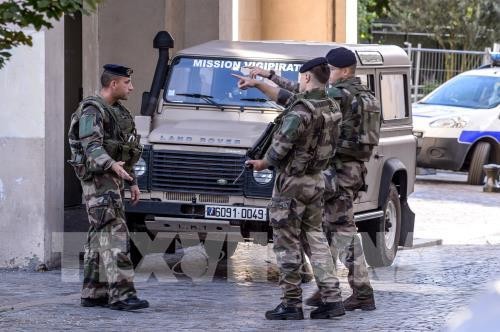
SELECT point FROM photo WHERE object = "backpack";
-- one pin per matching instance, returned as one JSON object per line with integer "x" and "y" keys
{"x": 369, "y": 129}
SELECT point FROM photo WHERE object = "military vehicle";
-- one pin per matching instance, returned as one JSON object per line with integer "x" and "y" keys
{"x": 197, "y": 134}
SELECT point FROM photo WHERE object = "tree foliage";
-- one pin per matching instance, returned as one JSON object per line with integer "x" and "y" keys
{"x": 18, "y": 15}
{"x": 369, "y": 11}
{"x": 455, "y": 24}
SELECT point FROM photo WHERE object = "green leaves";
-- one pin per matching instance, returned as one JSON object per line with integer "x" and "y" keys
{"x": 458, "y": 24}
{"x": 16, "y": 15}
{"x": 368, "y": 11}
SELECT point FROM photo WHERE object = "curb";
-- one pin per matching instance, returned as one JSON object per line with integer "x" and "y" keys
{"x": 423, "y": 243}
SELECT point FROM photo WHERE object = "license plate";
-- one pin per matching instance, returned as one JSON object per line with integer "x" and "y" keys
{"x": 235, "y": 212}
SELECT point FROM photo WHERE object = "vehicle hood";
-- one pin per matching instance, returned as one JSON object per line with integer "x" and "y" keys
{"x": 438, "y": 111}
{"x": 423, "y": 114}
{"x": 478, "y": 121}
{"x": 235, "y": 134}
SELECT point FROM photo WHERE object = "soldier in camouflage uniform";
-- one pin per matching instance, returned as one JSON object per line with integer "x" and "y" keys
{"x": 346, "y": 176}
{"x": 104, "y": 148}
{"x": 301, "y": 148}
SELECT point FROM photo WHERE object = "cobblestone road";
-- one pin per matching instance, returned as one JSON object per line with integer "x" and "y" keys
{"x": 421, "y": 291}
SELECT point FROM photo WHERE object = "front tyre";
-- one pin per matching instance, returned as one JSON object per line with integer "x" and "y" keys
{"x": 480, "y": 157}
{"x": 380, "y": 239}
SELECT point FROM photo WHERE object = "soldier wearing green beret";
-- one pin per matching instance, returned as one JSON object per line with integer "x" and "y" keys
{"x": 105, "y": 146}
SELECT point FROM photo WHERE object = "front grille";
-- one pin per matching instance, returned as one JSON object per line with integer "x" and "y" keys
{"x": 221, "y": 199}
{"x": 177, "y": 196}
{"x": 196, "y": 172}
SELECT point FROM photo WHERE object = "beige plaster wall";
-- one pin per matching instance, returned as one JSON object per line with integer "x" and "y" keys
{"x": 316, "y": 20}
{"x": 31, "y": 143}
{"x": 122, "y": 32}
{"x": 250, "y": 19}
{"x": 297, "y": 19}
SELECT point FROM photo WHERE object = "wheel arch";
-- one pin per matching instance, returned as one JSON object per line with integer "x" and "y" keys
{"x": 395, "y": 171}
{"x": 495, "y": 151}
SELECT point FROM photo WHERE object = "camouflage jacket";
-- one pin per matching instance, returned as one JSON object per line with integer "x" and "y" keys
{"x": 94, "y": 129}
{"x": 351, "y": 114}
{"x": 306, "y": 139}
{"x": 361, "y": 118}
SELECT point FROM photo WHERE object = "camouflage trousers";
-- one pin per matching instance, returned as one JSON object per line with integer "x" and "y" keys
{"x": 108, "y": 270}
{"x": 295, "y": 215}
{"x": 340, "y": 229}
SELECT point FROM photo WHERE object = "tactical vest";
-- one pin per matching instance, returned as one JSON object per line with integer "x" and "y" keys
{"x": 315, "y": 155}
{"x": 120, "y": 140}
{"x": 361, "y": 122}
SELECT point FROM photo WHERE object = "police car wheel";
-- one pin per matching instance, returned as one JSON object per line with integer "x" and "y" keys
{"x": 480, "y": 157}
{"x": 380, "y": 239}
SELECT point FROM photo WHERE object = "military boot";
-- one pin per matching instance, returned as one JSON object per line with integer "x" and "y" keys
{"x": 132, "y": 303}
{"x": 99, "y": 302}
{"x": 328, "y": 310}
{"x": 282, "y": 312}
{"x": 314, "y": 300}
{"x": 353, "y": 303}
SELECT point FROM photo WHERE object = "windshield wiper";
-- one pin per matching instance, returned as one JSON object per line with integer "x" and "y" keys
{"x": 208, "y": 99}
{"x": 258, "y": 100}
{"x": 264, "y": 100}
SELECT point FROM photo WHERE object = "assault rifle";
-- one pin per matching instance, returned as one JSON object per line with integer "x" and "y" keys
{"x": 262, "y": 144}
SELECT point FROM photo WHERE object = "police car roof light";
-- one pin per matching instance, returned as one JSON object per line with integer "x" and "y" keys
{"x": 495, "y": 58}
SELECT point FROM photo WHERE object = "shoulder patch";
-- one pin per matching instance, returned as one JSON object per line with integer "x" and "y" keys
{"x": 333, "y": 92}
{"x": 86, "y": 125}
{"x": 290, "y": 125}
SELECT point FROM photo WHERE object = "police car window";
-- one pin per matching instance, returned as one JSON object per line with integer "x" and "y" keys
{"x": 467, "y": 91}
{"x": 208, "y": 81}
{"x": 393, "y": 96}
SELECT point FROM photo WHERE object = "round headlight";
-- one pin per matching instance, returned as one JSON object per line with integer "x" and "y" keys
{"x": 140, "y": 167}
{"x": 263, "y": 177}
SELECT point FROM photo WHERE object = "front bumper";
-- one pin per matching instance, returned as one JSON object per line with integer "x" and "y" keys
{"x": 184, "y": 217}
{"x": 441, "y": 153}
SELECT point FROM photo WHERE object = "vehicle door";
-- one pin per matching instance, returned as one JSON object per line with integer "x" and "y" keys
{"x": 396, "y": 138}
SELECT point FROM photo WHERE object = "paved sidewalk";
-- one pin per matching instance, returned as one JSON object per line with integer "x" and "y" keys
{"x": 410, "y": 296}
{"x": 423, "y": 290}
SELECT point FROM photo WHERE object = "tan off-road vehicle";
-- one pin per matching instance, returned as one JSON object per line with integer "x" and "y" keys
{"x": 196, "y": 138}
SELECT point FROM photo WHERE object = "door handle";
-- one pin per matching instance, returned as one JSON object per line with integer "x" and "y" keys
{"x": 378, "y": 156}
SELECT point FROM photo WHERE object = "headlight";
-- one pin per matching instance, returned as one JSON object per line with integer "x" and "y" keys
{"x": 453, "y": 122}
{"x": 263, "y": 177}
{"x": 140, "y": 167}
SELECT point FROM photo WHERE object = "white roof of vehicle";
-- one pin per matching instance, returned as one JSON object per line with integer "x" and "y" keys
{"x": 393, "y": 56}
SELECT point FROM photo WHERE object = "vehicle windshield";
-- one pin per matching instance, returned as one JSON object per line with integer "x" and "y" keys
{"x": 208, "y": 81}
{"x": 467, "y": 91}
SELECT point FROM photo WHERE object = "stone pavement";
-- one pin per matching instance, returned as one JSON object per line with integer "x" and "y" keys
{"x": 423, "y": 290}
{"x": 417, "y": 293}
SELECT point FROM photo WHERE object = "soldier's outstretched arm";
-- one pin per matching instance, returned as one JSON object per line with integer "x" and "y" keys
{"x": 285, "y": 83}
{"x": 247, "y": 82}
{"x": 280, "y": 96}
{"x": 91, "y": 133}
{"x": 278, "y": 80}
